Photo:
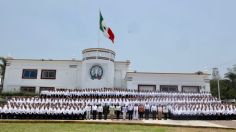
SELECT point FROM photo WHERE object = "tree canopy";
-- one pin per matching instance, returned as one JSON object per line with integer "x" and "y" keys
{"x": 3, "y": 63}
{"x": 227, "y": 85}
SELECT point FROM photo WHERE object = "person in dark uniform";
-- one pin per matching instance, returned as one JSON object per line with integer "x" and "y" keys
{"x": 105, "y": 111}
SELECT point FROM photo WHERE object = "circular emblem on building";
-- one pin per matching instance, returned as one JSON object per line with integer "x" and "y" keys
{"x": 96, "y": 72}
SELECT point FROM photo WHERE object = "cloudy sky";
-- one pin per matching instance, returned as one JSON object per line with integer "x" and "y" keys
{"x": 156, "y": 35}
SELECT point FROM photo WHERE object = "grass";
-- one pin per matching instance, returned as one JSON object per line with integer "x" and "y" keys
{"x": 75, "y": 127}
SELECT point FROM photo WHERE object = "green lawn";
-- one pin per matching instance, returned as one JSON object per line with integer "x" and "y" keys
{"x": 66, "y": 127}
{"x": 75, "y": 127}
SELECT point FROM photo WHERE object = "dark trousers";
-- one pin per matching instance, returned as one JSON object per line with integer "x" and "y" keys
{"x": 117, "y": 114}
{"x": 165, "y": 116}
{"x": 105, "y": 116}
{"x": 130, "y": 113}
{"x": 99, "y": 115}
{"x": 80, "y": 116}
{"x": 146, "y": 114}
{"x": 154, "y": 115}
{"x": 94, "y": 114}
{"x": 141, "y": 115}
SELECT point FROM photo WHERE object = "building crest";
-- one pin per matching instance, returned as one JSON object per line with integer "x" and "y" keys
{"x": 96, "y": 72}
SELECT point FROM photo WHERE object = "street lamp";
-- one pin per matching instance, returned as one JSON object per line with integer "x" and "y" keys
{"x": 218, "y": 85}
{"x": 216, "y": 76}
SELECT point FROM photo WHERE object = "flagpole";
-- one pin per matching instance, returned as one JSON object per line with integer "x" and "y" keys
{"x": 98, "y": 27}
{"x": 98, "y": 32}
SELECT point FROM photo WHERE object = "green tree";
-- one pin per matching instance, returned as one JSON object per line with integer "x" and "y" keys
{"x": 3, "y": 63}
{"x": 224, "y": 89}
{"x": 227, "y": 86}
{"x": 232, "y": 77}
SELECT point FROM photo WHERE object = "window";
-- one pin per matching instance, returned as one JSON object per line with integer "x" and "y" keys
{"x": 48, "y": 74}
{"x": 45, "y": 88}
{"x": 146, "y": 87}
{"x": 29, "y": 73}
{"x": 129, "y": 78}
{"x": 28, "y": 89}
{"x": 169, "y": 88}
{"x": 73, "y": 66}
{"x": 191, "y": 89}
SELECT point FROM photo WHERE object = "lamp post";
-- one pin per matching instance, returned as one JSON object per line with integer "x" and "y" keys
{"x": 218, "y": 85}
{"x": 216, "y": 76}
{"x": 0, "y": 77}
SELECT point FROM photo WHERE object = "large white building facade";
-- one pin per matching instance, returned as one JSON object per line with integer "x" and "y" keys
{"x": 97, "y": 69}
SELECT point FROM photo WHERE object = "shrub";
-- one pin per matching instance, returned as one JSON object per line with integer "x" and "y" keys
{"x": 17, "y": 94}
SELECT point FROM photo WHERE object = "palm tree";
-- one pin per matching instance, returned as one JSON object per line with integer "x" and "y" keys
{"x": 3, "y": 63}
{"x": 232, "y": 77}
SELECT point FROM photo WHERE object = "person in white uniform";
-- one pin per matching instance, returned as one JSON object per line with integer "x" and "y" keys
{"x": 94, "y": 109}
{"x": 124, "y": 111}
{"x": 100, "y": 111}
{"x": 88, "y": 111}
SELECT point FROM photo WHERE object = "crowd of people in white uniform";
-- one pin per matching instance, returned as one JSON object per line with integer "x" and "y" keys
{"x": 107, "y": 92}
{"x": 117, "y": 104}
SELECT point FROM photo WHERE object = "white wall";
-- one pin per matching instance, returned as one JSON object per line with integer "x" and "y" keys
{"x": 121, "y": 68}
{"x": 66, "y": 77}
{"x": 113, "y": 71}
{"x": 167, "y": 79}
{"x": 115, "y": 75}
{"x": 107, "y": 79}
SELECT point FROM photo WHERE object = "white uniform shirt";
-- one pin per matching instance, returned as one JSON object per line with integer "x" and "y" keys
{"x": 153, "y": 108}
{"x": 100, "y": 109}
{"x": 94, "y": 107}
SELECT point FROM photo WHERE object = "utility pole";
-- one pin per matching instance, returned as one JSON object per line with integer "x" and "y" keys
{"x": 216, "y": 76}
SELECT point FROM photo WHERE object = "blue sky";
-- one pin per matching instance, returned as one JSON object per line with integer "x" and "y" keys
{"x": 156, "y": 35}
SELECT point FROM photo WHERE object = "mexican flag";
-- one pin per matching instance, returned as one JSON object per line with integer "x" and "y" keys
{"x": 106, "y": 30}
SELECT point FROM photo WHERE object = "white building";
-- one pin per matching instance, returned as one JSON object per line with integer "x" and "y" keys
{"x": 97, "y": 69}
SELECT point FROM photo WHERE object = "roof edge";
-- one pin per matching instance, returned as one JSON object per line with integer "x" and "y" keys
{"x": 44, "y": 60}
{"x": 98, "y": 49}
{"x": 167, "y": 73}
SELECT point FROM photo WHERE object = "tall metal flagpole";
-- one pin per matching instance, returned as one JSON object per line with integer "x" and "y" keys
{"x": 98, "y": 27}
{"x": 98, "y": 31}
